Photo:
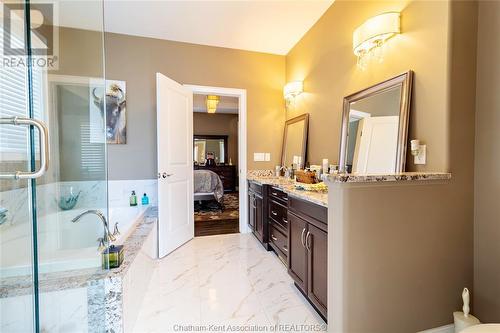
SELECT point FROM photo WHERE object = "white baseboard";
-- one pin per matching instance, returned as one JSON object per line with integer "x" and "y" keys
{"x": 443, "y": 329}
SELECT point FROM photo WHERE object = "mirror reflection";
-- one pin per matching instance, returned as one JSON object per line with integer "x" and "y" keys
{"x": 375, "y": 127}
{"x": 295, "y": 142}
{"x": 373, "y": 133}
{"x": 210, "y": 150}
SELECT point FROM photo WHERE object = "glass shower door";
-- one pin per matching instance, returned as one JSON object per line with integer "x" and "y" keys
{"x": 50, "y": 267}
{"x": 18, "y": 256}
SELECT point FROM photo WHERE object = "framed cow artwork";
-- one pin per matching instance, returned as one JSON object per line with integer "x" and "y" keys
{"x": 116, "y": 111}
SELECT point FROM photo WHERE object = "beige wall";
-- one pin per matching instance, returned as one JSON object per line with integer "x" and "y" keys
{"x": 397, "y": 267}
{"x": 438, "y": 43}
{"x": 487, "y": 179}
{"x": 325, "y": 61}
{"x": 136, "y": 60}
{"x": 219, "y": 124}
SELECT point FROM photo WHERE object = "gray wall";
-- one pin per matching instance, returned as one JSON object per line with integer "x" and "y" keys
{"x": 136, "y": 60}
{"x": 487, "y": 177}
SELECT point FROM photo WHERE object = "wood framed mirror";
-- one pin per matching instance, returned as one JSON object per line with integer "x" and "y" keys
{"x": 375, "y": 127}
{"x": 294, "y": 148}
{"x": 215, "y": 145}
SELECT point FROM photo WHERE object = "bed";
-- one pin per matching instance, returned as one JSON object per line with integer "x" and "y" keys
{"x": 208, "y": 186}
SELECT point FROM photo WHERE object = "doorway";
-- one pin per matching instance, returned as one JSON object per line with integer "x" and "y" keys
{"x": 219, "y": 154}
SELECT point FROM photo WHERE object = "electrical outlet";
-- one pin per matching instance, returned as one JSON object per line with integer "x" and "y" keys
{"x": 422, "y": 155}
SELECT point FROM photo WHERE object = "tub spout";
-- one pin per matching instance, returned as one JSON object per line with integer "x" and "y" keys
{"x": 108, "y": 236}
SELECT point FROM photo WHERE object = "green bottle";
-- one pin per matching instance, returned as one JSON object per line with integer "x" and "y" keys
{"x": 133, "y": 199}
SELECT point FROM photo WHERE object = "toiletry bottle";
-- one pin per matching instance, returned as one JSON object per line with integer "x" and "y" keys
{"x": 133, "y": 199}
{"x": 145, "y": 200}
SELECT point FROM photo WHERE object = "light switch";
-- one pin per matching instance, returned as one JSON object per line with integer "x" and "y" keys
{"x": 259, "y": 157}
{"x": 268, "y": 157}
{"x": 422, "y": 155}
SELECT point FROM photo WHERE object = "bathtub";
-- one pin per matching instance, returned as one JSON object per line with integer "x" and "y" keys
{"x": 62, "y": 244}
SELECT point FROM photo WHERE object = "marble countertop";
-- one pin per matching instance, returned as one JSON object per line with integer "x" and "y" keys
{"x": 399, "y": 177}
{"x": 288, "y": 186}
{"x": 21, "y": 285}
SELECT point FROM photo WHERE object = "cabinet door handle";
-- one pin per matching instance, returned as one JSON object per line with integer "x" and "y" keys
{"x": 302, "y": 237}
{"x": 274, "y": 193}
{"x": 285, "y": 248}
{"x": 274, "y": 238}
{"x": 308, "y": 242}
{"x": 274, "y": 213}
{"x": 285, "y": 220}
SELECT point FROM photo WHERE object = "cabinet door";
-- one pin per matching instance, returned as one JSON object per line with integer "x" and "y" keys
{"x": 297, "y": 254}
{"x": 259, "y": 217}
{"x": 251, "y": 210}
{"x": 317, "y": 249}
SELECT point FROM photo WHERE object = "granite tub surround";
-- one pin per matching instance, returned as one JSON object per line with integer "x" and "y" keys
{"x": 288, "y": 186}
{"x": 398, "y": 177}
{"x": 108, "y": 293}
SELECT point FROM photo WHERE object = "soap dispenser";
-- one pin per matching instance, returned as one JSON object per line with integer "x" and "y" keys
{"x": 145, "y": 200}
{"x": 133, "y": 199}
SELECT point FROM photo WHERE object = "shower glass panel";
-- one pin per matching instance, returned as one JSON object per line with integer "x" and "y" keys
{"x": 50, "y": 267}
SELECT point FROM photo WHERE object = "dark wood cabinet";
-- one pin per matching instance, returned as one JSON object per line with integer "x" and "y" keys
{"x": 227, "y": 174}
{"x": 308, "y": 251}
{"x": 297, "y": 231}
{"x": 297, "y": 258}
{"x": 317, "y": 246}
{"x": 276, "y": 218}
{"x": 256, "y": 215}
{"x": 259, "y": 218}
{"x": 251, "y": 210}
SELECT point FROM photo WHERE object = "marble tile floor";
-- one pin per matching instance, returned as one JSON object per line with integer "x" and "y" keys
{"x": 224, "y": 280}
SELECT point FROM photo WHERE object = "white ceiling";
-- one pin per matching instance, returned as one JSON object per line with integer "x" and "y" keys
{"x": 259, "y": 25}
{"x": 226, "y": 104}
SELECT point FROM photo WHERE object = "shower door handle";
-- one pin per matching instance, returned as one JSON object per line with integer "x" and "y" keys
{"x": 43, "y": 133}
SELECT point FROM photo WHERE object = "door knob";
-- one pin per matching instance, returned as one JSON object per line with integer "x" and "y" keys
{"x": 165, "y": 175}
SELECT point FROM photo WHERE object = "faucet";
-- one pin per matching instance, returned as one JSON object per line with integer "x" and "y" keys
{"x": 108, "y": 236}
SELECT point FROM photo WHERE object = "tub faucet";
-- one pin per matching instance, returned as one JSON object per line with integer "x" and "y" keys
{"x": 108, "y": 236}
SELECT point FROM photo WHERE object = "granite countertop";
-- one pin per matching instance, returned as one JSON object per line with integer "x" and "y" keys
{"x": 398, "y": 177}
{"x": 21, "y": 285}
{"x": 288, "y": 186}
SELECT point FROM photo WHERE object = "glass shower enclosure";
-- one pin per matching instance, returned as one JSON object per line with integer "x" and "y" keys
{"x": 52, "y": 166}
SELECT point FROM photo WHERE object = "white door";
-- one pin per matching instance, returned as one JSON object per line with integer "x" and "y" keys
{"x": 174, "y": 108}
{"x": 376, "y": 145}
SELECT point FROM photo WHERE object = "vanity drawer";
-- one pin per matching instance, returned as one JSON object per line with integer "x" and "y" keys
{"x": 278, "y": 213}
{"x": 257, "y": 188}
{"x": 277, "y": 194}
{"x": 307, "y": 210}
{"x": 279, "y": 239}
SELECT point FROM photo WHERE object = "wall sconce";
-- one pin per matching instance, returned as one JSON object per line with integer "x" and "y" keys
{"x": 212, "y": 102}
{"x": 292, "y": 90}
{"x": 418, "y": 152}
{"x": 368, "y": 39}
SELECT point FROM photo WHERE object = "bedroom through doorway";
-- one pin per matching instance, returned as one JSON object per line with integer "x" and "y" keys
{"x": 215, "y": 163}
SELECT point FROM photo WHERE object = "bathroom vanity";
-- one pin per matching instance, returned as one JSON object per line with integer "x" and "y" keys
{"x": 293, "y": 224}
